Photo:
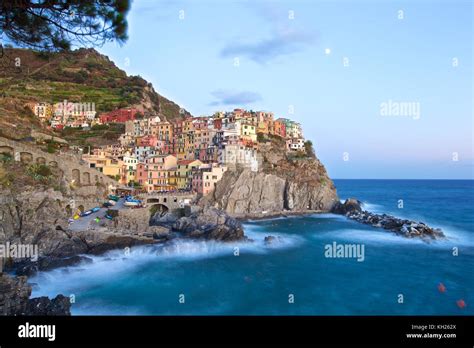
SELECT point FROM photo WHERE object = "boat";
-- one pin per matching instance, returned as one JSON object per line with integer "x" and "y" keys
{"x": 132, "y": 203}
{"x": 114, "y": 198}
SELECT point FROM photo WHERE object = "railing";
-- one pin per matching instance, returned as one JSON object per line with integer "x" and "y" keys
{"x": 151, "y": 194}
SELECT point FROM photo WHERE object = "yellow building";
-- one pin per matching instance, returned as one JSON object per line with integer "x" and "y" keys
{"x": 163, "y": 131}
{"x": 184, "y": 173}
{"x": 113, "y": 168}
{"x": 247, "y": 131}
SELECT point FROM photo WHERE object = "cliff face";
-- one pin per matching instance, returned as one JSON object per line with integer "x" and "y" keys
{"x": 284, "y": 182}
{"x": 14, "y": 299}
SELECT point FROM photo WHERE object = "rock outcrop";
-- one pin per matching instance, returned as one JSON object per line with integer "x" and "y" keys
{"x": 137, "y": 222}
{"x": 206, "y": 223}
{"x": 282, "y": 184}
{"x": 407, "y": 228}
{"x": 14, "y": 294}
{"x": 15, "y": 299}
{"x": 350, "y": 206}
{"x": 60, "y": 305}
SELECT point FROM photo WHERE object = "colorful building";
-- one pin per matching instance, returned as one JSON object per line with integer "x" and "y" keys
{"x": 118, "y": 116}
{"x": 279, "y": 129}
{"x": 205, "y": 179}
{"x": 184, "y": 173}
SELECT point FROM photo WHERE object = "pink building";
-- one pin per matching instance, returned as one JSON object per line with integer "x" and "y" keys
{"x": 147, "y": 140}
{"x": 141, "y": 175}
{"x": 205, "y": 179}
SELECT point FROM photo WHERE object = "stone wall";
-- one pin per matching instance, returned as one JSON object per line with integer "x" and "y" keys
{"x": 70, "y": 165}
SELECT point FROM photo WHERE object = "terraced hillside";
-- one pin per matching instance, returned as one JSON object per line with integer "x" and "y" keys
{"x": 83, "y": 75}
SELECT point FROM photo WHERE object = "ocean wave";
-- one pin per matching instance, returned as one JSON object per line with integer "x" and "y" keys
{"x": 327, "y": 216}
{"x": 375, "y": 236}
{"x": 381, "y": 236}
{"x": 115, "y": 264}
{"x": 374, "y": 208}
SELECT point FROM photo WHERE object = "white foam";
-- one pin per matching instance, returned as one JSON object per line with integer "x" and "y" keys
{"x": 327, "y": 216}
{"x": 115, "y": 264}
{"x": 380, "y": 236}
{"x": 373, "y": 208}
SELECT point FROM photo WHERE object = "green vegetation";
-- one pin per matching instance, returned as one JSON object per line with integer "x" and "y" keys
{"x": 261, "y": 138}
{"x": 5, "y": 157}
{"x": 134, "y": 184}
{"x": 40, "y": 172}
{"x": 6, "y": 177}
{"x": 95, "y": 136}
{"x": 83, "y": 75}
{"x": 153, "y": 209}
{"x": 308, "y": 145}
{"x": 57, "y": 24}
{"x": 297, "y": 155}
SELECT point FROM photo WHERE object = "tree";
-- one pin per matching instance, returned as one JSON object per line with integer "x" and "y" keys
{"x": 53, "y": 25}
{"x": 308, "y": 146}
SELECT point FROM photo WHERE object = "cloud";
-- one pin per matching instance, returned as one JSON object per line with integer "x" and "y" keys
{"x": 230, "y": 97}
{"x": 279, "y": 44}
{"x": 285, "y": 38}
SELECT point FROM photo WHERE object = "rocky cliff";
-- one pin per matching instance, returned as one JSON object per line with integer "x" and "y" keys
{"x": 284, "y": 182}
{"x": 15, "y": 299}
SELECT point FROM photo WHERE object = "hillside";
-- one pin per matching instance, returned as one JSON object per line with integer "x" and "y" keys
{"x": 83, "y": 75}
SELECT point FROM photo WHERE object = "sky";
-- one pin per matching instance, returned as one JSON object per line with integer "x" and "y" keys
{"x": 382, "y": 89}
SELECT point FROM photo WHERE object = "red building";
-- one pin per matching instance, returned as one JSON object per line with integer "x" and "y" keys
{"x": 217, "y": 123}
{"x": 118, "y": 116}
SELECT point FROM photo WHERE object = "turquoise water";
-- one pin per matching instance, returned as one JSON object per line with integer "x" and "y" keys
{"x": 261, "y": 279}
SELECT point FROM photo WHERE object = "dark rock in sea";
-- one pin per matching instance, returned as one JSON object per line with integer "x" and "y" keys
{"x": 60, "y": 305}
{"x": 210, "y": 223}
{"x": 162, "y": 236}
{"x": 115, "y": 242}
{"x": 351, "y": 205}
{"x": 407, "y": 228}
{"x": 269, "y": 239}
{"x": 46, "y": 263}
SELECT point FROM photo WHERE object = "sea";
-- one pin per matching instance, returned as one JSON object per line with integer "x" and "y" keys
{"x": 300, "y": 273}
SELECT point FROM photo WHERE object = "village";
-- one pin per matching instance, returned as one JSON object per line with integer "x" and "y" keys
{"x": 188, "y": 155}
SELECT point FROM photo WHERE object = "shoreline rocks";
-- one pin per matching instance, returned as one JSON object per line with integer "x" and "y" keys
{"x": 352, "y": 209}
{"x": 203, "y": 223}
{"x": 15, "y": 299}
